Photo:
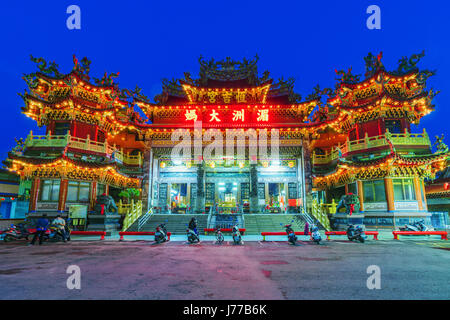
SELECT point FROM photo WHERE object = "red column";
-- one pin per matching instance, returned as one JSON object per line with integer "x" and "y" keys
{"x": 360, "y": 188}
{"x": 62, "y": 194}
{"x": 34, "y": 193}
{"x": 93, "y": 195}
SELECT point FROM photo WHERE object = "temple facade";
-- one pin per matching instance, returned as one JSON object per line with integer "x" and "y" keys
{"x": 232, "y": 141}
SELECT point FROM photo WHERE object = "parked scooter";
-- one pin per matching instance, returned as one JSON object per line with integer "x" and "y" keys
{"x": 161, "y": 233}
{"x": 192, "y": 235}
{"x": 418, "y": 225}
{"x": 237, "y": 239}
{"x": 55, "y": 235}
{"x": 356, "y": 233}
{"x": 292, "y": 238}
{"x": 315, "y": 234}
{"x": 16, "y": 232}
{"x": 219, "y": 236}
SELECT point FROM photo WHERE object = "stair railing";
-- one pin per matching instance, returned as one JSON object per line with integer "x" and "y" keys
{"x": 133, "y": 213}
{"x": 306, "y": 216}
{"x": 144, "y": 218}
{"x": 320, "y": 214}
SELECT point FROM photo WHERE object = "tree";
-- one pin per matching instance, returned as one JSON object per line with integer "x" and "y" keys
{"x": 130, "y": 193}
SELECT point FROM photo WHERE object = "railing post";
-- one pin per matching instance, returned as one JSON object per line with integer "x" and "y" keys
{"x": 87, "y": 142}
{"x": 333, "y": 206}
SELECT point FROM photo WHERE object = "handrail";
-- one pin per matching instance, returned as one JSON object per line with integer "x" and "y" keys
{"x": 372, "y": 142}
{"x": 84, "y": 144}
{"x": 319, "y": 213}
{"x": 144, "y": 218}
{"x": 132, "y": 215}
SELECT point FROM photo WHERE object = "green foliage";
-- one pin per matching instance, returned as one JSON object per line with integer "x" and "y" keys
{"x": 130, "y": 193}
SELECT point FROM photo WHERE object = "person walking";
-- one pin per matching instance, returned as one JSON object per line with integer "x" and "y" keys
{"x": 41, "y": 228}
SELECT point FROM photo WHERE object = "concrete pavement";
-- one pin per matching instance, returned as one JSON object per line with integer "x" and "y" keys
{"x": 139, "y": 269}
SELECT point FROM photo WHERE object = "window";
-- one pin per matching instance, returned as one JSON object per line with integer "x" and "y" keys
{"x": 101, "y": 188}
{"x": 394, "y": 126}
{"x": 404, "y": 189}
{"x": 374, "y": 191}
{"x": 50, "y": 190}
{"x": 78, "y": 191}
{"x": 352, "y": 188}
{"x": 61, "y": 128}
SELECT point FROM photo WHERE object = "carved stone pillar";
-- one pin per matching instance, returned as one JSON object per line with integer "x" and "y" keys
{"x": 200, "y": 201}
{"x": 254, "y": 206}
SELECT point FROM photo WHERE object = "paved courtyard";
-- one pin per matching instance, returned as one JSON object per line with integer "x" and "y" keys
{"x": 139, "y": 269}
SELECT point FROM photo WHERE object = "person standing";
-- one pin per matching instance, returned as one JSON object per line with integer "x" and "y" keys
{"x": 41, "y": 228}
{"x": 306, "y": 230}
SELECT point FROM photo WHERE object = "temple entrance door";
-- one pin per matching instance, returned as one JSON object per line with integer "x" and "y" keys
{"x": 227, "y": 197}
{"x": 178, "y": 197}
{"x": 277, "y": 197}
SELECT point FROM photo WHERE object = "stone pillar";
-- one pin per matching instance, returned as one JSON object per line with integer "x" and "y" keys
{"x": 254, "y": 206}
{"x": 266, "y": 193}
{"x": 200, "y": 201}
{"x": 155, "y": 170}
{"x": 307, "y": 173}
{"x": 34, "y": 193}
{"x": 63, "y": 186}
{"x": 389, "y": 189}
{"x": 147, "y": 168}
{"x": 360, "y": 188}
{"x": 417, "y": 189}
{"x": 188, "y": 195}
{"x": 106, "y": 189}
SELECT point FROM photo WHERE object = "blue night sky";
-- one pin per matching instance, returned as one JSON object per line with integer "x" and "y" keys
{"x": 149, "y": 40}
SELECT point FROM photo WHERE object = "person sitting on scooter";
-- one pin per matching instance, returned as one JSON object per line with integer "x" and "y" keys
{"x": 193, "y": 225}
{"x": 41, "y": 228}
{"x": 60, "y": 223}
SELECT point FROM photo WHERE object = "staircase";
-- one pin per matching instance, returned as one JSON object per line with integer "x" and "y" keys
{"x": 175, "y": 223}
{"x": 257, "y": 223}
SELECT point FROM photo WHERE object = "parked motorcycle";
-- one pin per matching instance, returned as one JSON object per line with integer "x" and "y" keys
{"x": 16, "y": 232}
{"x": 237, "y": 239}
{"x": 192, "y": 236}
{"x": 219, "y": 236}
{"x": 161, "y": 233}
{"x": 55, "y": 234}
{"x": 356, "y": 233}
{"x": 418, "y": 225}
{"x": 315, "y": 234}
{"x": 292, "y": 238}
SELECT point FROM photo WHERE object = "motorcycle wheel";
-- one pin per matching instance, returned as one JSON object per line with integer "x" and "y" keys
{"x": 361, "y": 239}
{"x": 8, "y": 238}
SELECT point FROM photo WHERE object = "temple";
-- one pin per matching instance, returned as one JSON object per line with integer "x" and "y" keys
{"x": 249, "y": 145}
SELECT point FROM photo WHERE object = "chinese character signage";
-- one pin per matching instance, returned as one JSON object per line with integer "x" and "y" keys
{"x": 226, "y": 96}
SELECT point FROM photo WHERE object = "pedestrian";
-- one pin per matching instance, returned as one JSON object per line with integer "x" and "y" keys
{"x": 306, "y": 228}
{"x": 41, "y": 228}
